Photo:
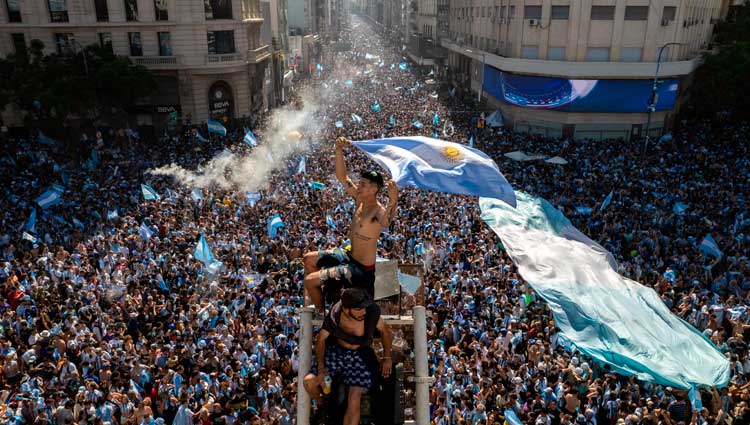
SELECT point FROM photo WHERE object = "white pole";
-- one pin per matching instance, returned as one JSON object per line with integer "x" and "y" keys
{"x": 305, "y": 360}
{"x": 421, "y": 379}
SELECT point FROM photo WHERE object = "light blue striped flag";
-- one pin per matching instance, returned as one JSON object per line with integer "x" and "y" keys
{"x": 471, "y": 141}
{"x": 58, "y": 187}
{"x": 302, "y": 167}
{"x": 203, "y": 254}
{"x": 28, "y": 237}
{"x": 31, "y": 223}
{"x": 403, "y": 66}
{"x": 250, "y": 139}
{"x": 216, "y": 127}
{"x": 162, "y": 285}
{"x": 606, "y": 316}
{"x": 339, "y": 124}
{"x": 710, "y": 247}
{"x": 145, "y": 232}
{"x": 77, "y": 223}
{"x": 113, "y": 215}
{"x": 511, "y": 418}
{"x": 679, "y": 208}
{"x": 375, "y": 106}
{"x": 695, "y": 398}
{"x": 348, "y": 83}
{"x": 607, "y": 201}
{"x": 137, "y": 389}
{"x": 439, "y": 166}
{"x": 392, "y": 121}
{"x": 253, "y": 198}
{"x": 274, "y": 222}
{"x": 197, "y": 195}
{"x": 436, "y": 120}
{"x": 49, "y": 198}
{"x": 149, "y": 193}
{"x": 200, "y": 137}
{"x": 329, "y": 220}
{"x": 356, "y": 118}
{"x": 46, "y": 140}
{"x": 316, "y": 185}
{"x": 417, "y": 124}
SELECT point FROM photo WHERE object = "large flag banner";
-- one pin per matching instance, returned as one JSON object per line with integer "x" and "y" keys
{"x": 710, "y": 247}
{"x": 250, "y": 139}
{"x": 273, "y": 225}
{"x": 216, "y": 127}
{"x": 606, "y": 316}
{"x": 49, "y": 198}
{"x": 439, "y": 166}
{"x": 149, "y": 193}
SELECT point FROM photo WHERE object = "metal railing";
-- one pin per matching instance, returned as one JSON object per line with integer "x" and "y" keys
{"x": 223, "y": 58}
{"x": 157, "y": 61}
{"x": 259, "y": 54}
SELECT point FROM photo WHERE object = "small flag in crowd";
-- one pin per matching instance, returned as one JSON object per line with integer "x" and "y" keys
{"x": 403, "y": 66}
{"x": 49, "y": 198}
{"x": 216, "y": 127}
{"x": 436, "y": 120}
{"x": 28, "y": 237}
{"x": 316, "y": 185}
{"x": 149, "y": 193}
{"x": 356, "y": 118}
{"x": 679, "y": 208}
{"x": 471, "y": 141}
{"x": 392, "y": 121}
{"x": 31, "y": 223}
{"x": 329, "y": 220}
{"x": 583, "y": 210}
{"x": 375, "y": 106}
{"x": 695, "y": 398}
{"x": 200, "y": 137}
{"x": 253, "y": 198}
{"x": 58, "y": 187}
{"x": 145, "y": 232}
{"x": 607, "y": 201}
{"x": 339, "y": 124}
{"x": 78, "y": 223}
{"x": 197, "y": 195}
{"x": 670, "y": 275}
{"x": 137, "y": 389}
{"x": 418, "y": 124}
{"x": 710, "y": 247}
{"x": 250, "y": 139}
{"x": 162, "y": 285}
{"x": 273, "y": 225}
{"x": 348, "y": 83}
{"x": 511, "y": 418}
{"x": 113, "y": 215}
{"x": 46, "y": 140}
{"x": 203, "y": 253}
{"x": 302, "y": 167}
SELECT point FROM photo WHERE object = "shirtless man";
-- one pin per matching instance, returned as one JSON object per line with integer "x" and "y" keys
{"x": 355, "y": 268}
{"x": 348, "y": 353}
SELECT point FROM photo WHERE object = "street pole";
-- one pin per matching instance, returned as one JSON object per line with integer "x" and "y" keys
{"x": 83, "y": 53}
{"x": 653, "y": 99}
{"x": 481, "y": 83}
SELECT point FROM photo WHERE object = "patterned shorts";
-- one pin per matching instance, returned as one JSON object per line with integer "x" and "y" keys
{"x": 350, "y": 365}
{"x": 337, "y": 267}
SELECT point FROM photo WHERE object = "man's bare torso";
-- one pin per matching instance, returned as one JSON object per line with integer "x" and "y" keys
{"x": 365, "y": 232}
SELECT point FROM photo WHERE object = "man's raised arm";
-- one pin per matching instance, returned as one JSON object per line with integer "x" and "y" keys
{"x": 341, "y": 173}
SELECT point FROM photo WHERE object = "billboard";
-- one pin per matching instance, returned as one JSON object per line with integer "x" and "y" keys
{"x": 578, "y": 95}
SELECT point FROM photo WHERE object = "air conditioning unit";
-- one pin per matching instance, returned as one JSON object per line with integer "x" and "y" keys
{"x": 665, "y": 22}
{"x": 533, "y": 22}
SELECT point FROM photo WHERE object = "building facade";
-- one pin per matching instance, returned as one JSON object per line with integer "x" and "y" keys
{"x": 208, "y": 55}
{"x": 580, "y": 68}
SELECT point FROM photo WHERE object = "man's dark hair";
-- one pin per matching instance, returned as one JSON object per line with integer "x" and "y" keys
{"x": 356, "y": 298}
{"x": 373, "y": 176}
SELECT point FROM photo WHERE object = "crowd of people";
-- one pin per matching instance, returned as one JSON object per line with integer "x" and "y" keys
{"x": 103, "y": 322}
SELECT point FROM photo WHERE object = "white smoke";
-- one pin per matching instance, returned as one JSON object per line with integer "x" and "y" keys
{"x": 251, "y": 171}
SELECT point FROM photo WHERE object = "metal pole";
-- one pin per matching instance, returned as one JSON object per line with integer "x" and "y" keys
{"x": 481, "y": 83}
{"x": 305, "y": 360}
{"x": 652, "y": 100}
{"x": 421, "y": 379}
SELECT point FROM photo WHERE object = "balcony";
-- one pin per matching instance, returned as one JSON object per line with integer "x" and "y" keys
{"x": 258, "y": 55}
{"x": 158, "y": 62}
{"x": 224, "y": 59}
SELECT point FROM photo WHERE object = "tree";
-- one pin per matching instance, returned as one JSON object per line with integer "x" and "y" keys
{"x": 720, "y": 83}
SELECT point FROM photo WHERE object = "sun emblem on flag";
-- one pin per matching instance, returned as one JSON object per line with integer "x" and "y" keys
{"x": 452, "y": 154}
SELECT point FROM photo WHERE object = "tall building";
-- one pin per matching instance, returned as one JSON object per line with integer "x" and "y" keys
{"x": 275, "y": 33}
{"x": 208, "y": 55}
{"x": 580, "y": 68}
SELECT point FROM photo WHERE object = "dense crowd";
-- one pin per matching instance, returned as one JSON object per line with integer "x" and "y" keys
{"x": 102, "y": 322}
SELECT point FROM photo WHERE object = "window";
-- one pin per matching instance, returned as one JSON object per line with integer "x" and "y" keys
{"x": 19, "y": 43}
{"x": 64, "y": 43}
{"x": 532, "y": 12}
{"x": 631, "y": 54}
{"x": 136, "y": 47}
{"x": 636, "y": 13}
{"x": 560, "y": 12}
{"x": 102, "y": 13}
{"x": 602, "y": 13}
{"x": 556, "y": 54}
{"x": 58, "y": 10}
{"x": 669, "y": 13}
{"x": 160, "y": 9}
{"x": 165, "y": 44}
{"x": 14, "y": 10}
{"x": 530, "y": 52}
{"x": 220, "y": 42}
{"x": 511, "y": 12}
{"x": 131, "y": 10}
{"x": 105, "y": 41}
{"x": 218, "y": 9}
{"x": 502, "y": 12}
{"x": 597, "y": 54}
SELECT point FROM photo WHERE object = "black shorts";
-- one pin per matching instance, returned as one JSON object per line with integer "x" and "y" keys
{"x": 338, "y": 268}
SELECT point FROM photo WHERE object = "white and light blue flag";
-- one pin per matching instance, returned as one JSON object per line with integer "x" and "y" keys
{"x": 28, "y": 237}
{"x": 253, "y": 198}
{"x": 113, "y": 215}
{"x": 316, "y": 185}
{"x": 31, "y": 222}
{"x": 471, "y": 141}
{"x": 710, "y": 247}
{"x": 49, "y": 198}
{"x": 417, "y": 124}
{"x": 200, "y": 137}
{"x": 250, "y": 139}
{"x": 329, "y": 220}
{"x": 197, "y": 195}
{"x": 46, "y": 140}
{"x": 145, "y": 232}
{"x": 203, "y": 254}
{"x": 356, "y": 118}
{"x": 375, "y": 106}
{"x": 439, "y": 166}
{"x": 216, "y": 127}
{"x": 392, "y": 121}
{"x": 339, "y": 124}
{"x": 149, "y": 193}
{"x": 606, "y": 316}
{"x": 274, "y": 222}
{"x": 302, "y": 167}
{"x": 607, "y": 201}
{"x": 679, "y": 208}
{"x": 77, "y": 223}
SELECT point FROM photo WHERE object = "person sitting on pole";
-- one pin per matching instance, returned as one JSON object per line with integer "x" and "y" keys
{"x": 344, "y": 349}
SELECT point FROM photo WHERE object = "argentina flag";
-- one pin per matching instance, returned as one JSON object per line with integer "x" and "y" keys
{"x": 253, "y": 198}
{"x": 216, "y": 127}
{"x": 200, "y": 137}
{"x": 250, "y": 139}
{"x": 273, "y": 225}
{"x": 49, "y": 198}
{"x": 149, "y": 193}
{"x": 31, "y": 223}
{"x": 439, "y": 166}
{"x": 710, "y": 247}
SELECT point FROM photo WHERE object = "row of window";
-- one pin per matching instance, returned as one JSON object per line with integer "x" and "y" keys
{"x": 219, "y": 42}
{"x": 598, "y": 13}
{"x": 593, "y": 54}
{"x": 58, "y": 10}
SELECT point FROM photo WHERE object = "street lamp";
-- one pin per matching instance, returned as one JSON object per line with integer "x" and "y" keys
{"x": 654, "y": 98}
{"x": 481, "y": 83}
